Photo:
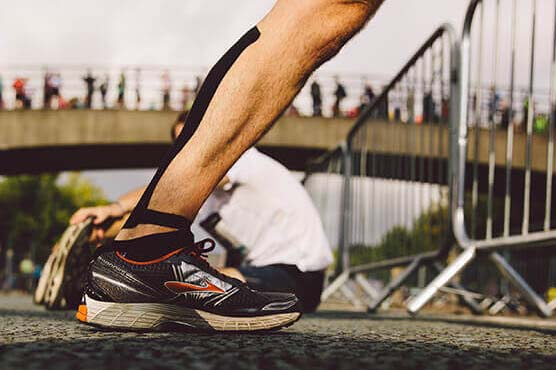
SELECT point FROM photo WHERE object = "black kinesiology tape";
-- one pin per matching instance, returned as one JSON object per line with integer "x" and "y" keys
{"x": 156, "y": 245}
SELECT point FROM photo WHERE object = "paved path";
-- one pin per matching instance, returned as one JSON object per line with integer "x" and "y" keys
{"x": 31, "y": 338}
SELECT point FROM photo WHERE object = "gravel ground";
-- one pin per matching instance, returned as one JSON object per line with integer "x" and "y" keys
{"x": 32, "y": 338}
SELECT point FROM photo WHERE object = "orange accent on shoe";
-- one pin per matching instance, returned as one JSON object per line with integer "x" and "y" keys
{"x": 179, "y": 287}
{"x": 152, "y": 261}
{"x": 81, "y": 314}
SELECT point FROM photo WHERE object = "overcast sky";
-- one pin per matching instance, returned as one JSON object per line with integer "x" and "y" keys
{"x": 193, "y": 32}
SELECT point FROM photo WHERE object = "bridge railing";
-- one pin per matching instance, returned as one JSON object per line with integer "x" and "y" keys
{"x": 508, "y": 202}
{"x": 143, "y": 87}
{"x": 396, "y": 208}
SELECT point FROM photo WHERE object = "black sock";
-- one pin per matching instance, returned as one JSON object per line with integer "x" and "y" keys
{"x": 151, "y": 247}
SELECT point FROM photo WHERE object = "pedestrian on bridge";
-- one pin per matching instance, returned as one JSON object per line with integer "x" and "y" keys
{"x": 138, "y": 89}
{"x": 367, "y": 96}
{"x": 90, "y": 84}
{"x": 317, "y": 99}
{"x": 340, "y": 94}
{"x": 47, "y": 90}
{"x": 121, "y": 91}
{"x": 56, "y": 90}
{"x": 166, "y": 89}
{"x": 22, "y": 101}
{"x": 104, "y": 89}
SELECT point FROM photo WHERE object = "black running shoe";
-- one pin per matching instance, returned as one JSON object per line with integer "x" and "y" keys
{"x": 179, "y": 288}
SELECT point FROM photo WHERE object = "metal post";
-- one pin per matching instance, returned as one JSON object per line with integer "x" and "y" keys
{"x": 345, "y": 229}
{"x": 477, "y": 118}
{"x": 550, "y": 149}
{"x": 351, "y": 296}
{"x": 362, "y": 281}
{"x": 468, "y": 297}
{"x": 334, "y": 286}
{"x": 527, "y": 190}
{"x": 519, "y": 283}
{"x": 510, "y": 138}
{"x": 492, "y": 127}
{"x": 442, "y": 279}
{"x": 394, "y": 284}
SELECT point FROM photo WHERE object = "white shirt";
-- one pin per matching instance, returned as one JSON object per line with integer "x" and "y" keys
{"x": 272, "y": 215}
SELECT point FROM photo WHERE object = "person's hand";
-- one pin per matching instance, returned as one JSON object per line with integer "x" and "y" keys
{"x": 99, "y": 214}
{"x": 97, "y": 235}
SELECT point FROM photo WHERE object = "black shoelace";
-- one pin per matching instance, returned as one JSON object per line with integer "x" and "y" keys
{"x": 200, "y": 250}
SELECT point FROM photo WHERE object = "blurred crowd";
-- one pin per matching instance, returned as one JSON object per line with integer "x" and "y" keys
{"x": 53, "y": 96}
{"x": 497, "y": 109}
{"x": 339, "y": 95}
{"x": 330, "y": 98}
{"x": 97, "y": 91}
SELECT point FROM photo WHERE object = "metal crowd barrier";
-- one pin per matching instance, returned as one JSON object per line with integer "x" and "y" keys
{"x": 324, "y": 181}
{"x": 514, "y": 172}
{"x": 396, "y": 190}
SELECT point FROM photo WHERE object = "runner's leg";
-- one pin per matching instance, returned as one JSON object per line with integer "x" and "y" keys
{"x": 272, "y": 65}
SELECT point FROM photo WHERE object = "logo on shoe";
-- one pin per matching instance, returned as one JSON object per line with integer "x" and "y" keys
{"x": 179, "y": 287}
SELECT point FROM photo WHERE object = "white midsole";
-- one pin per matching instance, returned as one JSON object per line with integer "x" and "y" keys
{"x": 152, "y": 315}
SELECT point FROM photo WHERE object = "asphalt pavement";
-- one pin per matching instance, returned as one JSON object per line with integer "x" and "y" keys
{"x": 33, "y": 338}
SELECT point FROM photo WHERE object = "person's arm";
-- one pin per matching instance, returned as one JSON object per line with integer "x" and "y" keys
{"x": 129, "y": 200}
{"x": 115, "y": 210}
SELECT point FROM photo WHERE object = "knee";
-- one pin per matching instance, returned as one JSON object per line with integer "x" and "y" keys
{"x": 331, "y": 23}
{"x": 347, "y": 16}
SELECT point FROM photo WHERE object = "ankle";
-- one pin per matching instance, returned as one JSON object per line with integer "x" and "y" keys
{"x": 152, "y": 246}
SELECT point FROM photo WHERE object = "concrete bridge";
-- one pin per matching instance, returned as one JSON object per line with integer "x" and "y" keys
{"x": 39, "y": 141}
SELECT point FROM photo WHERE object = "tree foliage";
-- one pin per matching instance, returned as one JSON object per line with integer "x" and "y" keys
{"x": 428, "y": 232}
{"x": 34, "y": 211}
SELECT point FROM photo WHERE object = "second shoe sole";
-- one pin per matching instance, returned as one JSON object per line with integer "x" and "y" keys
{"x": 71, "y": 242}
{"x": 156, "y": 316}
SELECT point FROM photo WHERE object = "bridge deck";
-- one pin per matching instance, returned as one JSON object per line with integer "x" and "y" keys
{"x": 35, "y": 141}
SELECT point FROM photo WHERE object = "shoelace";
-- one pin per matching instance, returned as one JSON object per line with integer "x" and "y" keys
{"x": 200, "y": 251}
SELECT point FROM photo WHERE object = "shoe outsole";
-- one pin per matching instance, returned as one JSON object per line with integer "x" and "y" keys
{"x": 55, "y": 278}
{"x": 162, "y": 317}
{"x": 44, "y": 279}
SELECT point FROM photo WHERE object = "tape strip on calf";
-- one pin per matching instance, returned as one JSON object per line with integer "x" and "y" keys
{"x": 146, "y": 249}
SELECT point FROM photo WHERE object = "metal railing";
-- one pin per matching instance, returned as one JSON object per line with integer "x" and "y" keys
{"x": 399, "y": 190}
{"x": 528, "y": 165}
{"x": 324, "y": 181}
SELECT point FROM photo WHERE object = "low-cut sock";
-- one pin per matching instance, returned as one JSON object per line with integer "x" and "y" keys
{"x": 153, "y": 246}
{"x": 141, "y": 249}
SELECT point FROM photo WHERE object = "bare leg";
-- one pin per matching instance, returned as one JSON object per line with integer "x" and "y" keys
{"x": 295, "y": 38}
